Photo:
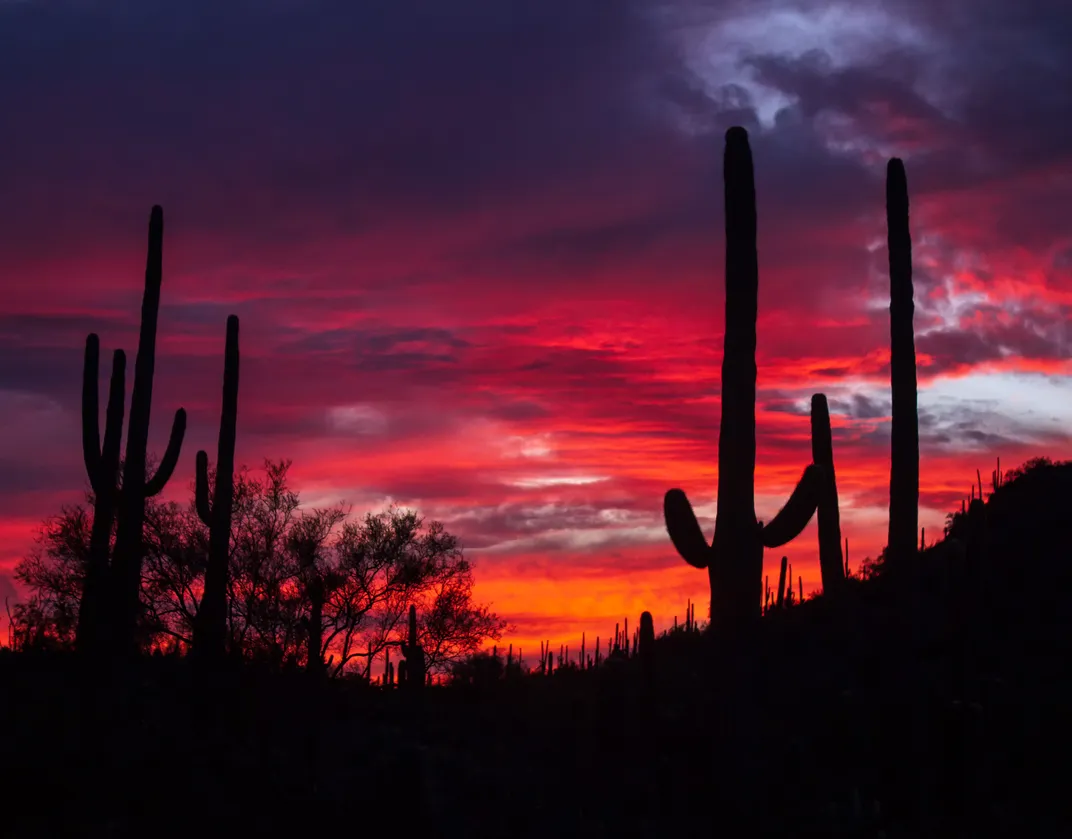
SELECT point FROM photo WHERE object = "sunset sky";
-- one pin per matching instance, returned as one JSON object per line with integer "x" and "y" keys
{"x": 476, "y": 249}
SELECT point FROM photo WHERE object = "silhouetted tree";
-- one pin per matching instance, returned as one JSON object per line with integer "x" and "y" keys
{"x": 304, "y": 585}
{"x": 55, "y": 571}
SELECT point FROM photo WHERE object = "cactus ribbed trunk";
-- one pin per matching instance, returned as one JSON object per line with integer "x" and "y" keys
{"x": 737, "y": 580}
{"x": 102, "y": 467}
{"x": 125, "y": 576}
{"x": 822, "y": 455}
{"x": 210, "y": 635}
{"x": 735, "y": 558}
{"x": 904, "y": 452}
{"x": 782, "y": 581}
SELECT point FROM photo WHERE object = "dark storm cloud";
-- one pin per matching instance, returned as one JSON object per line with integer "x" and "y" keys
{"x": 1036, "y": 336}
{"x": 50, "y": 371}
{"x": 1014, "y": 62}
{"x": 44, "y": 477}
{"x": 987, "y": 98}
{"x": 862, "y": 406}
{"x": 362, "y": 108}
{"x": 870, "y": 95}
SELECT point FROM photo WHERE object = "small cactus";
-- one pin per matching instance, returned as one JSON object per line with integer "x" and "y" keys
{"x": 646, "y": 650}
{"x": 781, "y": 582}
{"x": 414, "y": 654}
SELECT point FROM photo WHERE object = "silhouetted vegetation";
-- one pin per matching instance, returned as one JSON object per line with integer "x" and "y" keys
{"x": 734, "y": 560}
{"x": 305, "y": 588}
{"x": 924, "y": 695}
{"x": 904, "y": 456}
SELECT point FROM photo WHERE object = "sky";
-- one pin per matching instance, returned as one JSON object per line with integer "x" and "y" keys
{"x": 476, "y": 249}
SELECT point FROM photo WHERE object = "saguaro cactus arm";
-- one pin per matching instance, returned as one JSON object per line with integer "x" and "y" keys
{"x": 684, "y": 529}
{"x": 98, "y": 460}
{"x": 797, "y": 512}
{"x": 91, "y": 441}
{"x": 688, "y": 538}
{"x": 201, "y": 494}
{"x": 113, "y": 427}
{"x": 155, "y": 485}
{"x": 102, "y": 466}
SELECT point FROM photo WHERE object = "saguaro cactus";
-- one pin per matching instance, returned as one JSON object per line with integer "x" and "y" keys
{"x": 822, "y": 454}
{"x": 210, "y": 632}
{"x": 415, "y": 663}
{"x": 734, "y": 560}
{"x": 102, "y": 466}
{"x": 904, "y": 445}
{"x": 125, "y": 576}
{"x": 646, "y": 647}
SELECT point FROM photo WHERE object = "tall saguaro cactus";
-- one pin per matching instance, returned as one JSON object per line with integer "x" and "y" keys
{"x": 734, "y": 560}
{"x": 829, "y": 515}
{"x": 210, "y": 635}
{"x": 904, "y": 449}
{"x": 125, "y": 574}
{"x": 102, "y": 467}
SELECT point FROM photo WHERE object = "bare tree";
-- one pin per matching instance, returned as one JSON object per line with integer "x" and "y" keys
{"x": 309, "y": 588}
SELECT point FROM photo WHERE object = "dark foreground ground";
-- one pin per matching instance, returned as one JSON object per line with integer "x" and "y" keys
{"x": 931, "y": 703}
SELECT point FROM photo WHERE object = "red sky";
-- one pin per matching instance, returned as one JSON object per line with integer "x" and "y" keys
{"x": 476, "y": 249}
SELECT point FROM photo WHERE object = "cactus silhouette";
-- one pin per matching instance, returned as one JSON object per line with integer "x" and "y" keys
{"x": 645, "y": 645}
{"x": 414, "y": 654}
{"x": 210, "y": 630}
{"x": 734, "y": 560}
{"x": 781, "y": 583}
{"x": 124, "y": 575}
{"x": 102, "y": 466}
{"x": 904, "y": 444}
{"x": 822, "y": 455}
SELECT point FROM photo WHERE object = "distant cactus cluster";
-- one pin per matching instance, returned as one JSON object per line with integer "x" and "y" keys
{"x": 609, "y": 652}
{"x": 783, "y": 598}
{"x": 411, "y": 673}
